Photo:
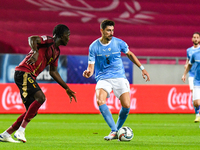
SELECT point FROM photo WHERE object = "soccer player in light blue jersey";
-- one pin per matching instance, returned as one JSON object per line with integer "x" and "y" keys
{"x": 105, "y": 59}
{"x": 190, "y": 51}
{"x": 194, "y": 60}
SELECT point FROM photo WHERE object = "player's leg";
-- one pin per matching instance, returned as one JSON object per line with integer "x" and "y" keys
{"x": 123, "y": 114}
{"x": 103, "y": 88}
{"x": 101, "y": 101}
{"x": 32, "y": 97}
{"x": 196, "y": 97}
{"x": 121, "y": 90}
{"x": 30, "y": 114}
{"x": 196, "y": 109}
{"x": 6, "y": 135}
{"x": 101, "y": 96}
{"x": 196, "y": 104}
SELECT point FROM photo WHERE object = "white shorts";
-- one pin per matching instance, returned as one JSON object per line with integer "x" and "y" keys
{"x": 196, "y": 93}
{"x": 191, "y": 82}
{"x": 118, "y": 85}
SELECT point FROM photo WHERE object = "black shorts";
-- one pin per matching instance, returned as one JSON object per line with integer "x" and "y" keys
{"x": 27, "y": 86}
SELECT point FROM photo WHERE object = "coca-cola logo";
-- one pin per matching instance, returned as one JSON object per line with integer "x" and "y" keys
{"x": 114, "y": 103}
{"x": 178, "y": 100}
{"x": 12, "y": 99}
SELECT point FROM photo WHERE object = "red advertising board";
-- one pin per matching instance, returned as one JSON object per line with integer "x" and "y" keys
{"x": 144, "y": 99}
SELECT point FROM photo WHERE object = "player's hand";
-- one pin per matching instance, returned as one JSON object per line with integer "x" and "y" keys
{"x": 87, "y": 73}
{"x": 145, "y": 73}
{"x": 33, "y": 58}
{"x": 71, "y": 95}
{"x": 183, "y": 78}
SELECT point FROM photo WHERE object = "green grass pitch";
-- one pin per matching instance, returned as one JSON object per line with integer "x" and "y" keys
{"x": 86, "y": 132}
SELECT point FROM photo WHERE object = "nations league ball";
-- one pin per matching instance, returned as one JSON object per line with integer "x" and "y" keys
{"x": 125, "y": 134}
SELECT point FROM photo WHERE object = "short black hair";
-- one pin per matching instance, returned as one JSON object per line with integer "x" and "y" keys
{"x": 106, "y": 23}
{"x": 196, "y": 33}
{"x": 59, "y": 30}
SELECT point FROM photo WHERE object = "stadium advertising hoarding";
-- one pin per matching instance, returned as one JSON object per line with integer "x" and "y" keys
{"x": 69, "y": 67}
{"x": 144, "y": 99}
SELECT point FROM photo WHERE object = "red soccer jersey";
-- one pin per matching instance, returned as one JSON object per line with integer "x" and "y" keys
{"x": 48, "y": 55}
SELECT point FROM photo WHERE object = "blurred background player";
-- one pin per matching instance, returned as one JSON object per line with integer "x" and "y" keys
{"x": 190, "y": 51}
{"x": 194, "y": 60}
{"x": 105, "y": 59}
{"x": 44, "y": 51}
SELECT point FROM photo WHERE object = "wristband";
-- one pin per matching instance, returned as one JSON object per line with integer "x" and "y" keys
{"x": 141, "y": 67}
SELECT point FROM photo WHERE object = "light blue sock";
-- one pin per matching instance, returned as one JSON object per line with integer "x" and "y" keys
{"x": 107, "y": 116}
{"x": 196, "y": 109}
{"x": 122, "y": 117}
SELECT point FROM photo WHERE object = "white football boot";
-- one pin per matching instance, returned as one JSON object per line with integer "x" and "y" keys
{"x": 111, "y": 136}
{"x": 7, "y": 139}
{"x": 197, "y": 119}
{"x": 20, "y": 136}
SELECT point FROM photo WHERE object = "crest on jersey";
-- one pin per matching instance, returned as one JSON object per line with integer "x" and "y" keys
{"x": 44, "y": 37}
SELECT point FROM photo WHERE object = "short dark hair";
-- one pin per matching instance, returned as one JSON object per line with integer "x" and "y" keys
{"x": 196, "y": 33}
{"x": 106, "y": 23}
{"x": 59, "y": 30}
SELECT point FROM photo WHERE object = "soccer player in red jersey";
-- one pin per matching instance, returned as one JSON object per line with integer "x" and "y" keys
{"x": 44, "y": 51}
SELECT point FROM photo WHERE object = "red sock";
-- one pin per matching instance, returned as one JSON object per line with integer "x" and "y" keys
{"x": 32, "y": 110}
{"x": 16, "y": 124}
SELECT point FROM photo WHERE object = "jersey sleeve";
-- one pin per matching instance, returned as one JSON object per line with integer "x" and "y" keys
{"x": 46, "y": 39}
{"x": 91, "y": 56}
{"x": 188, "y": 54}
{"x": 124, "y": 47}
{"x": 192, "y": 60}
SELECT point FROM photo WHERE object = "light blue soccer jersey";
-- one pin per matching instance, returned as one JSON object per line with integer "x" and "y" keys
{"x": 190, "y": 51}
{"x": 107, "y": 58}
{"x": 195, "y": 60}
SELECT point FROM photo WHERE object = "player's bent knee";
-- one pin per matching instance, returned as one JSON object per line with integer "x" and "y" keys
{"x": 100, "y": 102}
{"x": 196, "y": 103}
{"x": 127, "y": 106}
{"x": 41, "y": 100}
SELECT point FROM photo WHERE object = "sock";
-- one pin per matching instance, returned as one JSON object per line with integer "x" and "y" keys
{"x": 107, "y": 116}
{"x": 196, "y": 109}
{"x": 21, "y": 129}
{"x": 5, "y": 134}
{"x": 32, "y": 110}
{"x": 122, "y": 117}
{"x": 16, "y": 124}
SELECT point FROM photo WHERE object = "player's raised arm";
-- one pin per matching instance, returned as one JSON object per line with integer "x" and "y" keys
{"x": 134, "y": 59}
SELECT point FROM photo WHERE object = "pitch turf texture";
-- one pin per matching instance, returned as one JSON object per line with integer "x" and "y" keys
{"x": 86, "y": 132}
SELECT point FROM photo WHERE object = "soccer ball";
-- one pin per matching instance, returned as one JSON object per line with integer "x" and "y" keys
{"x": 125, "y": 134}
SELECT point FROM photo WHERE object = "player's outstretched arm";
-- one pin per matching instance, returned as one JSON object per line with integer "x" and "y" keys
{"x": 56, "y": 76}
{"x": 187, "y": 68}
{"x": 134, "y": 59}
{"x": 186, "y": 63}
{"x": 89, "y": 72}
{"x": 145, "y": 74}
